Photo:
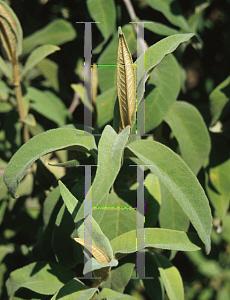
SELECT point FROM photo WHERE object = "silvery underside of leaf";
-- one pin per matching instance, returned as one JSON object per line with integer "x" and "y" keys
{"x": 126, "y": 85}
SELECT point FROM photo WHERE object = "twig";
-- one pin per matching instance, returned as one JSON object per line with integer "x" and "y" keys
{"x": 134, "y": 18}
{"x": 131, "y": 10}
{"x": 74, "y": 103}
{"x": 19, "y": 99}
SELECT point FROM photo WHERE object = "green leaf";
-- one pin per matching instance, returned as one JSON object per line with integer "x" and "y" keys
{"x": 49, "y": 70}
{"x": 30, "y": 120}
{"x": 98, "y": 237}
{"x": 5, "y": 70}
{"x": 50, "y": 208}
{"x": 46, "y": 142}
{"x": 92, "y": 264}
{"x": 119, "y": 277}
{"x": 5, "y": 107}
{"x": 157, "y": 238}
{"x": 217, "y": 186}
{"x": 154, "y": 55}
{"x": 161, "y": 91}
{"x": 4, "y": 203}
{"x": 57, "y": 32}
{"x": 69, "y": 200}
{"x": 217, "y": 174}
{"x": 196, "y": 20}
{"x": 67, "y": 164}
{"x": 170, "y": 276}
{"x": 103, "y": 12}
{"x": 119, "y": 216}
{"x": 26, "y": 188}
{"x": 49, "y": 105}
{"x": 79, "y": 89}
{"x": 110, "y": 155}
{"x": 75, "y": 289}
{"x": 191, "y": 133}
{"x": 172, "y": 11}
{"x": 110, "y": 151}
{"x": 112, "y": 295}
{"x": 99, "y": 247}
{"x": 105, "y": 104}
{"x": 4, "y": 92}
{"x": 41, "y": 277}
{"x": 225, "y": 234}
{"x": 63, "y": 232}
{"x": 160, "y": 29}
{"x": 219, "y": 99}
{"x": 171, "y": 214}
{"x": 36, "y": 56}
{"x": 180, "y": 181}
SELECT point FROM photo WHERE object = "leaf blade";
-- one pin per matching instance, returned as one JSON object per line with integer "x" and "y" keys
{"x": 99, "y": 240}
{"x": 37, "y": 56}
{"x": 219, "y": 99}
{"x": 110, "y": 153}
{"x": 104, "y": 13}
{"x": 154, "y": 55}
{"x": 5, "y": 70}
{"x": 162, "y": 90}
{"x": 41, "y": 277}
{"x": 190, "y": 130}
{"x": 157, "y": 238}
{"x": 126, "y": 85}
{"x": 57, "y": 33}
{"x": 170, "y": 276}
{"x": 172, "y": 11}
{"x": 46, "y": 142}
{"x": 180, "y": 181}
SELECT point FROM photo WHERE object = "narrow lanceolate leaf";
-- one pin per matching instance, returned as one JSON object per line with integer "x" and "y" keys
{"x": 10, "y": 31}
{"x": 126, "y": 85}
